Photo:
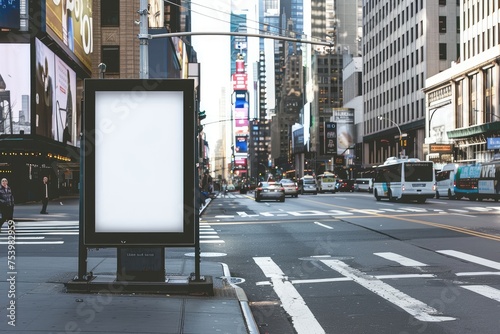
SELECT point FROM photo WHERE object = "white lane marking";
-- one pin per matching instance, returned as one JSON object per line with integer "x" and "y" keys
{"x": 480, "y": 273}
{"x": 209, "y": 237}
{"x": 416, "y": 308}
{"x": 224, "y": 216}
{"x": 216, "y": 241}
{"x": 484, "y": 290}
{"x": 345, "y": 279}
{"x": 23, "y": 238}
{"x": 34, "y": 242}
{"x": 457, "y": 210}
{"x": 471, "y": 258}
{"x": 303, "y": 320}
{"x": 405, "y": 276}
{"x": 267, "y": 214}
{"x": 402, "y": 260}
{"x": 414, "y": 209}
{"x": 307, "y": 213}
{"x": 323, "y": 225}
{"x": 339, "y": 213}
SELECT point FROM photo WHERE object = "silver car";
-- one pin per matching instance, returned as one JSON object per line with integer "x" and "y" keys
{"x": 308, "y": 185}
{"x": 291, "y": 188}
{"x": 269, "y": 190}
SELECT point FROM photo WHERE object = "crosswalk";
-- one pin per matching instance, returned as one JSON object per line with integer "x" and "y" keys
{"x": 53, "y": 232}
{"x": 39, "y": 232}
{"x": 467, "y": 210}
{"x": 383, "y": 285}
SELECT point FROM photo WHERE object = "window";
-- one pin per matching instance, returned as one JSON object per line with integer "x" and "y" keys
{"x": 111, "y": 57}
{"x": 442, "y": 24}
{"x": 110, "y": 13}
{"x": 442, "y": 51}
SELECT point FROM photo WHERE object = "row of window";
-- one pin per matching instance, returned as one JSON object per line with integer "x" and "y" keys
{"x": 383, "y": 76}
{"x": 475, "y": 14}
{"x": 482, "y": 42}
{"x": 404, "y": 114}
{"x": 392, "y": 48}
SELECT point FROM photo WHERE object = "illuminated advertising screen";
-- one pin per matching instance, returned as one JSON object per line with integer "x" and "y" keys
{"x": 241, "y": 144}
{"x": 15, "y": 78}
{"x": 55, "y": 97}
{"x": 139, "y": 129}
{"x": 345, "y": 128}
{"x": 330, "y": 138}
{"x": 240, "y": 162}
{"x": 10, "y": 17}
{"x": 70, "y": 23}
{"x": 241, "y": 114}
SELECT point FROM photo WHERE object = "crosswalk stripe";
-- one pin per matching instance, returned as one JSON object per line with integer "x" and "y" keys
{"x": 404, "y": 261}
{"x": 471, "y": 258}
{"x": 484, "y": 290}
{"x": 416, "y": 308}
{"x": 302, "y": 318}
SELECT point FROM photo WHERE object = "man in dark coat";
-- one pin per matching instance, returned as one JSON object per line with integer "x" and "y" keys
{"x": 45, "y": 195}
{"x": 6, "y": 202}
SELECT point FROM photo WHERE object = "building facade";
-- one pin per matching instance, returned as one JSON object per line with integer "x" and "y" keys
{"x": 404, "y": 43}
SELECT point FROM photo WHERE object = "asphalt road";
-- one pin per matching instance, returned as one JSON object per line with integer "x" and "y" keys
{"x": 345, "y": 263}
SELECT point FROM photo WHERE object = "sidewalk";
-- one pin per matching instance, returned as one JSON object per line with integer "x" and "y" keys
{"x": 42, "y": 304}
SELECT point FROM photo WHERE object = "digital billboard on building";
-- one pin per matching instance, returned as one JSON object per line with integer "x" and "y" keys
{"x": 10, "y": 17}
{"x": 15, "y": 115}
{"x": 70, "y": 23}
{"x": 55, "y": 97}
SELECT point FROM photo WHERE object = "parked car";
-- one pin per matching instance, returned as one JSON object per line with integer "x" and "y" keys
{"x": 291, "y": 187}
{"x": 269, "y": 190}
{"x": 363, "y": 184}
{"x": 344, "y": 185}
{"x": 308, "y": 184}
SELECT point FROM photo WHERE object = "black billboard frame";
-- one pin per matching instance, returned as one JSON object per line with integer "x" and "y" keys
{"x": 184, "y": 238}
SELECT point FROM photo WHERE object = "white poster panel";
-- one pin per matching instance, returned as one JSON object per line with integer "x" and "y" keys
{"x": 137, "y": 159}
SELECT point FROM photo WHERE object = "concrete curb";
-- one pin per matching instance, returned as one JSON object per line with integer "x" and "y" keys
{"x": 242, "y": 298}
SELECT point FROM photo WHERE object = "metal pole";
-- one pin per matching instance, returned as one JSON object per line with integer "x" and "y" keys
{"x": 143, "y": 40}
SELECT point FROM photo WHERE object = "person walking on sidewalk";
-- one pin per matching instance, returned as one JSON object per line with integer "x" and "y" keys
{"x": 6, "y": 202}
{"x": 45, "y": 195}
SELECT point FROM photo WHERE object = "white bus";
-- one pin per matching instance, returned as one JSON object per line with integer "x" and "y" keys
{"x": 326, "y": 182}
{"x": 405, "y": 179}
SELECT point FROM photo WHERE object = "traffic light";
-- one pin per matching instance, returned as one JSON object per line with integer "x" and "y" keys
{"x": 202, "y": 115}
{"x": 402, "y": 142}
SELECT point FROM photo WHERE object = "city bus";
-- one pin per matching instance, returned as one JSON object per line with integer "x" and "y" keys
{"x": 292, "y": 175}
{"x": 466, "y": 182}
{"x": 405, "y": 179}
{"x": 326, "y": 182}
{"x": 489, "y": 181}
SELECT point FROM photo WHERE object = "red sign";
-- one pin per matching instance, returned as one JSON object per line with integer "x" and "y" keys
{"x": 240, "y": 81}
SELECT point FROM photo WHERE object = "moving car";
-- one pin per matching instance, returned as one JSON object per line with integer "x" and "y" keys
{"x": 363, "y": 184}
{"x": 308, "y": 184}
{"x": 291, "y": 188}
{"x": 269, "y": 190}
{"x": 344, "y": 185}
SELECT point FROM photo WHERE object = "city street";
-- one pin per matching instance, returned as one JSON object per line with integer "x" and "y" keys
{"x": 345, "y": 263}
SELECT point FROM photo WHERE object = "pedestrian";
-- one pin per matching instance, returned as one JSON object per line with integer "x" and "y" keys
{"x": 6, "y": 201}
{"x": 45, "y": 195}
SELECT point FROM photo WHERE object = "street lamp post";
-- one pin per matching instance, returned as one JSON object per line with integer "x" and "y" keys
{"x": 403, "y": 151}
{"x": 486, "y": 113}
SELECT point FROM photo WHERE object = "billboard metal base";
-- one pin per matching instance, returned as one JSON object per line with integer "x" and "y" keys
{"x": 172, "y": 285}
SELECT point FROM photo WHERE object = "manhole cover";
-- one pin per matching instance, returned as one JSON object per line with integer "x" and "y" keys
{"x": 236, "y": 280}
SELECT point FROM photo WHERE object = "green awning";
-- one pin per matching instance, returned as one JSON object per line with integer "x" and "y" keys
{"x": 474, "y": 130}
